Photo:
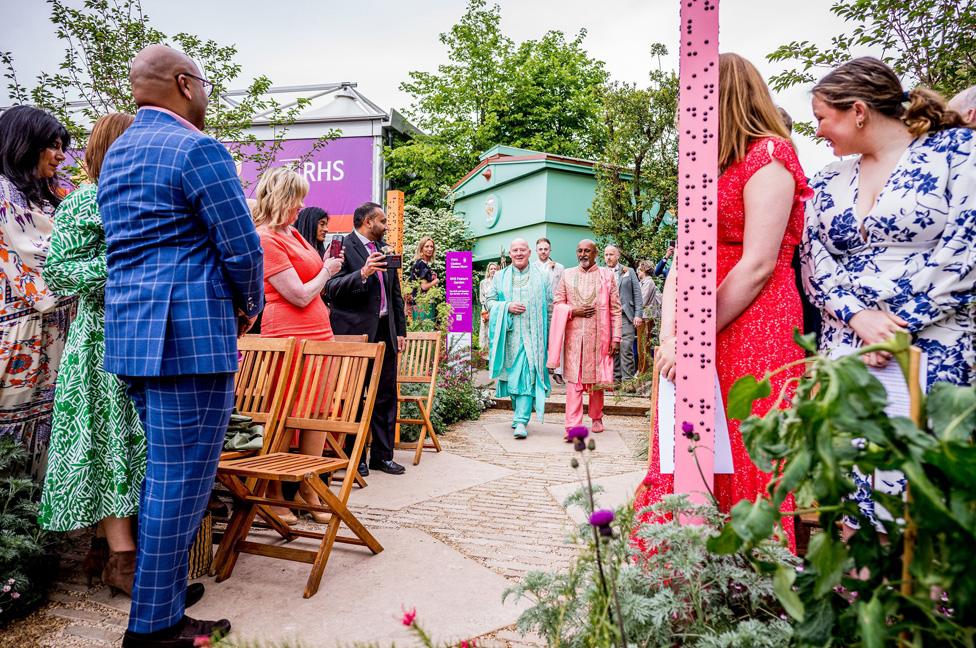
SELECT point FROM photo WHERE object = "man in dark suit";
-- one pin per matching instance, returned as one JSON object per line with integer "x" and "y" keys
{"x": 365, "y": 298}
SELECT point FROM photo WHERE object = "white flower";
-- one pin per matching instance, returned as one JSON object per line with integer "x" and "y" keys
{"x": 6, "y": 588}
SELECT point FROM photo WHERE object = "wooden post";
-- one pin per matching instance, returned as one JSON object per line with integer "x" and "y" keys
{"x": 695, "y": 253}
{"x": 394, "y": 219}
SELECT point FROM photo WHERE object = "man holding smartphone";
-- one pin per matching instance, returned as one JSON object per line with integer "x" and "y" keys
{"x": 365, "y": 298}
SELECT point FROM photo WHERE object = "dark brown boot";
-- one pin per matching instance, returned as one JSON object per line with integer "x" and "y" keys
{"x": 120, "y": 572}
{"x": 94, "y": 562}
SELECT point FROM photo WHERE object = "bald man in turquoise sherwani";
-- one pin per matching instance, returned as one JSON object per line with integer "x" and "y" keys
{"x": 519, "y": 303}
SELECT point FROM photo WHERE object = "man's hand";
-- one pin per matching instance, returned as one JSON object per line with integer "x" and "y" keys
{"x": 584, "y": 311}
{"x": 638, "y": 322}
{"x": 516, "y": 308}
{"x": 244, "y": 323}
{"x": 614, "y": 348}
{"x": 401, "y": 343}
{"x": 374, "y": 263}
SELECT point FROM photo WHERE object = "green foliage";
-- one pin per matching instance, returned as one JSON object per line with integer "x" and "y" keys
{"x": 637, "y": 177}
{"x": 677, "y": 594}
{"x": 837, "y": 421}
{"x": 541, "y": 94}
{"x": 102, "y": 37}
{"x": 931, "y": 42}
{"x": 28, "y": 561}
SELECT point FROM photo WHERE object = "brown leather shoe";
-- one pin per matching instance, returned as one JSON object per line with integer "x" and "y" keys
{"x": 120, "y": 572}
{"x": 94, "y": 562}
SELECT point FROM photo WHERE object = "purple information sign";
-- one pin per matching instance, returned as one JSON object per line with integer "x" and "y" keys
{"x": 340, "y": 175}
{"x": 459, "y": 295}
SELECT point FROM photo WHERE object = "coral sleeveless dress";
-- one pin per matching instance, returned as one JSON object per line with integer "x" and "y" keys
{"x": 761, "y": 338}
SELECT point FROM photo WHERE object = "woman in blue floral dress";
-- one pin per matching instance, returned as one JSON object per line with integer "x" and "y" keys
{"x": 890, "y": 236}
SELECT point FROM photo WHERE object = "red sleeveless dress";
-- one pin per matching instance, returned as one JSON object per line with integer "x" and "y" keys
{"x": 761, "y": 338}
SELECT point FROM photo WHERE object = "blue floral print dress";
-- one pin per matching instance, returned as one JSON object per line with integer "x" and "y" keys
{"x": 913, "y": 255}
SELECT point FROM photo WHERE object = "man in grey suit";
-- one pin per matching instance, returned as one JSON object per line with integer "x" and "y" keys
{"x": 625, "y": 363}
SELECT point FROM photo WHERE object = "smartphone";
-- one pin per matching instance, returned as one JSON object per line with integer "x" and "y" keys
{"x": 335, "y": 247}
{"x": 394, "y": 261}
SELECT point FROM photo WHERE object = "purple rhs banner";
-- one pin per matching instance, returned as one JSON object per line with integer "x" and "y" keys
{"x": 459, "y": 287}
{"x": 340, "y": 175}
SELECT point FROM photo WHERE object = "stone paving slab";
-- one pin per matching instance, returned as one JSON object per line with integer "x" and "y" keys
{"x": 547, "y": 438}
{"x": 618, "y": 490}
{"x": 362, "y": 596}
{"x": 437, "y": 474}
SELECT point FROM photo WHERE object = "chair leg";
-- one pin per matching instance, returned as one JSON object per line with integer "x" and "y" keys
{"x": 342, "y": 512}
{"x": 237, "y": 529}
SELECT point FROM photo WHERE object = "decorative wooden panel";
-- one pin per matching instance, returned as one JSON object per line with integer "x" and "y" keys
{"x": 695, "y": 253}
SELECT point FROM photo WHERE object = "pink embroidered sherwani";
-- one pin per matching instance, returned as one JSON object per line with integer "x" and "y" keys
{"x": 585, "y": 341}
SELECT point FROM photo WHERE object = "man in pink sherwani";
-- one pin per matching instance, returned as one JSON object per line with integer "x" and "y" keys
{"x": 586, "y": 329}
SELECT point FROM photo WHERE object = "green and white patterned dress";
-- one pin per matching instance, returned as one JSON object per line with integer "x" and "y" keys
{"x": 97, "y": 453}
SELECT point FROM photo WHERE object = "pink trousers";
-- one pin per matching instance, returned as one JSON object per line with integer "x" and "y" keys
{"x": 574, "y": 404}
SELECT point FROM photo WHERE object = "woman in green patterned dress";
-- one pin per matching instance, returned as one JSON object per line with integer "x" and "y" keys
{"x": 97, "y": 453}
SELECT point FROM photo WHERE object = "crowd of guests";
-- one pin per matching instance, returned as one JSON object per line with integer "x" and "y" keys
{"x": 123, "y": 300}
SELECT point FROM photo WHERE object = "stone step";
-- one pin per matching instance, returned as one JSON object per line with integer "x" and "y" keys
{"x": 612, "y": 406}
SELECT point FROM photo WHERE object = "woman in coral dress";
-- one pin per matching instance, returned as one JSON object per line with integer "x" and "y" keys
{"x": 761, "y": 191}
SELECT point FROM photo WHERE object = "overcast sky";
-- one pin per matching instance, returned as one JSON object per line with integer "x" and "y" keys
{"x": 377, "y": 42}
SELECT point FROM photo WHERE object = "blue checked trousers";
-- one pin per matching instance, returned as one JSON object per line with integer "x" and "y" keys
{"x": 185, "y": 419}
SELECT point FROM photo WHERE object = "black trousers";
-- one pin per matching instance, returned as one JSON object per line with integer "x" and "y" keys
{"x": 382, "y": 426}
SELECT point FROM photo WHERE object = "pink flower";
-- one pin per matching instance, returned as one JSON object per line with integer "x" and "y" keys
{"x": 409, "y": 616}
{"x": 806, "y": 193}
{"x": 201, "y": 641}
{"x": 15, "y": 595}
{"x": 467, "y": 644}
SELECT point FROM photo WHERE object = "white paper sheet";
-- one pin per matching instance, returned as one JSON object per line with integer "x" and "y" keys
{"x": 666, "y": 397}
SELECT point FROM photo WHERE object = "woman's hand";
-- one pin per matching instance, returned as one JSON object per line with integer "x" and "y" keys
{"x": 874, "y": 327}
{"x": 666, "y": 358}
{"x": 334, "y": 265}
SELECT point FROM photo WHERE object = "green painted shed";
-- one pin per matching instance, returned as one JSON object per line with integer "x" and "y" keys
{"x": 517, "y": 193}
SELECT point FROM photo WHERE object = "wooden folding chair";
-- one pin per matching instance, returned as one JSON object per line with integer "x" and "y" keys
{"x": 261, "y": 383}
{"x": 418, "y": 366}
{"x": 328, "y": 395}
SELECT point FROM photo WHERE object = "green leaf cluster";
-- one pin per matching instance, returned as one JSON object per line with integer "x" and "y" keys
{"x": 28, "y": 560}
{"x": 929, "y": 42}
{"x": 539, "y": 94}
{"x": 674, "y": 593}
{"x": 853, "y": 593}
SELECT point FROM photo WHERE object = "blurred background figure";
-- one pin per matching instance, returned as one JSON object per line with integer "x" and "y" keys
{"x": 964, "y": 103}
{"x": 483, "y": 292}
{"x": 651, "y": 314}
{"x": 424, "y": 279}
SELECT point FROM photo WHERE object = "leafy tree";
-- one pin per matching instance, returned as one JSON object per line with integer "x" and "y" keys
{"x": 540, "y": 94}
{"x": 102, "y": 37}
{"x": 637, "y": 177}
{"x": 931, "y": 42}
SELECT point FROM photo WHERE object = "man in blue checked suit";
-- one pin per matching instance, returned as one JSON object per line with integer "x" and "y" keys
{"x": 185, "y": 277}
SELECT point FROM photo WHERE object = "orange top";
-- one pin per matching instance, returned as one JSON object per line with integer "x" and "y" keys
{"x": 282, "y": 318}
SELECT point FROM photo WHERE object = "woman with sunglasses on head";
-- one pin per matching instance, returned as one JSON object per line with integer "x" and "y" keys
{"x": 33, "y": 320}
{"x": 889, "y": 238}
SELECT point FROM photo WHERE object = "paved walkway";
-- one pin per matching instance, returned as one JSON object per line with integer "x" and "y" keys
{"x": 457, "y": 531}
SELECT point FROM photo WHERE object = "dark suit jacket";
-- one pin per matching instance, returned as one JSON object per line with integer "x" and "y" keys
{"x": 355, "y": 306}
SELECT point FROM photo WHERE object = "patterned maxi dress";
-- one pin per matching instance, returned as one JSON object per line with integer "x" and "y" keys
{"x": 98, "y": 449}
{"x": 33, "y": 325}
{"x": 761, "y": 338}
{"x": 913, "y": 254}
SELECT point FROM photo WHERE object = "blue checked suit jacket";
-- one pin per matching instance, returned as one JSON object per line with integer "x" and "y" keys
{"x": 183, "y": 255}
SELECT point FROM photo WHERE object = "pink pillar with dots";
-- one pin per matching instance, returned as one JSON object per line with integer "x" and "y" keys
{"x": 695, "y": 252}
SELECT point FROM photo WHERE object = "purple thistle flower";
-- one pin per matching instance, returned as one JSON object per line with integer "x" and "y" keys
{"x": 688, "y": 430}
{"x": 577, "y": 432}
{"x": 601, "y": 518}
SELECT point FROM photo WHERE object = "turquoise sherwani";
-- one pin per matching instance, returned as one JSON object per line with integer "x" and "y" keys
{"x": 519, "y": 343}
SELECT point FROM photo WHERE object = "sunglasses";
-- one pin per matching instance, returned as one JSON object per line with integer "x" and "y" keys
{"x": 207, "y": 85}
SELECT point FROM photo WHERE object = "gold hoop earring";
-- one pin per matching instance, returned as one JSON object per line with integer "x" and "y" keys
{"x": 860, "y": 124}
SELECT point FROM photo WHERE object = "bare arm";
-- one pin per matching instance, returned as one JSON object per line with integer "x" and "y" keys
{"x": 768, "y": 198}
{"x": 290, "y": 286}
{"x": 664, "y": 359}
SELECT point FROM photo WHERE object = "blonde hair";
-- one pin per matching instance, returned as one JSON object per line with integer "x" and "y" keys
{"x": 746, "y": 111}
{"x": 873, "y": 83}
{"x": 280, "y": 191}
{"x": 420, "y": 246}
{"x": 107, "y": 129}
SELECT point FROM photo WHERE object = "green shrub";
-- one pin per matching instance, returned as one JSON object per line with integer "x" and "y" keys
{"x": 28, "y": 560}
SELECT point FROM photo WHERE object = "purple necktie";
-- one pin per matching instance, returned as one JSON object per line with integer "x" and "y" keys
{"x": 372, "y": 248}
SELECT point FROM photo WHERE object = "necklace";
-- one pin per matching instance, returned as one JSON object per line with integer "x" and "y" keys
{"x": 520, "y": 280}
{"x": 585, "y": 301}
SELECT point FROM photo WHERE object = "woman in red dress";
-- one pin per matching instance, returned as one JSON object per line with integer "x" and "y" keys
{"x": 761, "y": 191}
